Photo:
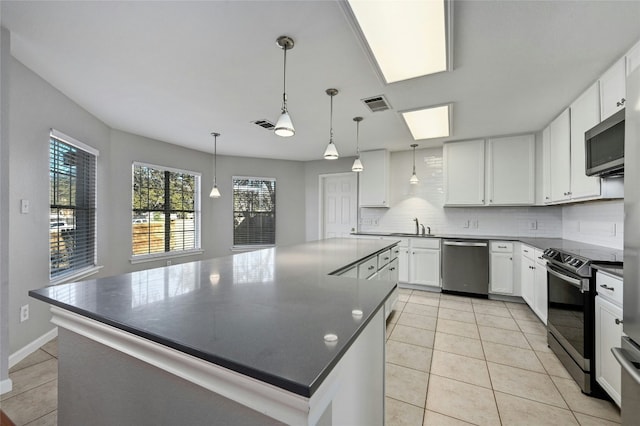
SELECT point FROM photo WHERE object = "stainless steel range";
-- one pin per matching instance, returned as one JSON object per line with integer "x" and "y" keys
{"x": 571, "y": 316}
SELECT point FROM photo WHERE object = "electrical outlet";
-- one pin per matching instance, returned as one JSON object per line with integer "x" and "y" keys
{"x": 533, "y": 225}
{"x": 168, "y": 263}
{"x": 465, "y": 224}
{"x": 24, "y": 313}
{"x": 25, "y": 206}
{"x": 475, "y": 224}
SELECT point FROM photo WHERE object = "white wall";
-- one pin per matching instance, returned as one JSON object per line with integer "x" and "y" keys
{"x": 600, "y": 223}
{"x": 426, "y": 200}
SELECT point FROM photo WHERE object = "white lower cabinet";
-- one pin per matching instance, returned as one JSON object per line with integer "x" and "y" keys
{"x": 424, "y": 266}
{"x": 501, "y": 268}
{"x": 608, "y": 333}
{"x": 533, "y": 279}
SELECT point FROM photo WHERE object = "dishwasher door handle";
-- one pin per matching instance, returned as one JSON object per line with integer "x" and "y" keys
{"x": 464, "y": 244}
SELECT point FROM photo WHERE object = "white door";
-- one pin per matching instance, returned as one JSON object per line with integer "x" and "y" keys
{"x": 424, "y": 267}
{"x": 339, "y": 204}
{"x": 502, "y": 273}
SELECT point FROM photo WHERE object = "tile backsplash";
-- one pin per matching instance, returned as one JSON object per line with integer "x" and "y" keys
{"x": 596, "y": 223}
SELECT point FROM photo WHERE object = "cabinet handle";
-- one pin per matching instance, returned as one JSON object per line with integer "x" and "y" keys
{"x": 413, "y": 252}
{"x": 392, "y": 269}
{"x": 607, "y": 287}
{"x": 491, "y": 201}
{"x": 619, "y": 321}
{"x": 540, "y": 257}
{"x": 622, "y": 101}
{"x": 511, "y": 258}
{"x": 502, "y": 246}
{"x": 526, "y": 251}
{"x": 371, "y": 267}
{"x": 546, "y": 198}
{"x": 386, "y": 258}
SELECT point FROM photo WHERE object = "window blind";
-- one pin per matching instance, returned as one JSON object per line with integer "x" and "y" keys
{"x": 254, "y": 211}
{"x": 165, "y": 210}
{"x": 72, "y": 201}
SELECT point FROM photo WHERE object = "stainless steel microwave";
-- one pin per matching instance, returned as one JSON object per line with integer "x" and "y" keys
{"x": 604, "y": 147}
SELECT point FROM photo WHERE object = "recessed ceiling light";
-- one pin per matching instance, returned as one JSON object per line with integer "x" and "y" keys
{"x": 407, "y": 38}
{"x": 428, "y": 123}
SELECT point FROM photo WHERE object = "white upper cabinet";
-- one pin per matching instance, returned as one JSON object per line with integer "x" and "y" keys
{"x": 374, "y": 179}
{"x": 560, "y": 157}
{"x": 585, "y": 113}
{"x": 464, "y": 173}
{"x": 546, "y": 165}
{"x": 612, "y": 89}
{"x": 511, "y": 170}
{"x": 633, "y": 58}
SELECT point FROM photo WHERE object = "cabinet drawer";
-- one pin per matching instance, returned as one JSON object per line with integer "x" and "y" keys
{"x": 384, "y": 258}
{"x": 427, "y": 243}
{"x": 527, "y": 251}
{"x": 368, "y": 268}
{"x": 395, "y": 252}
{"x": 539, "y": 259}
{"x": 501, "y": 247}
{"x": 609, "y": 287}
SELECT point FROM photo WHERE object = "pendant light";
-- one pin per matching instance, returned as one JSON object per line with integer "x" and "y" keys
{"x": 284, "y": 126}
{"x": 331, "y": 153}
{"x": 215, "y": 192}
{"x": 414, "y": 179}
{"x": 357, "y": 164}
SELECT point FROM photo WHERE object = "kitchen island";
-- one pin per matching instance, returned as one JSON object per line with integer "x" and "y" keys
{"x": 264, "y": 337}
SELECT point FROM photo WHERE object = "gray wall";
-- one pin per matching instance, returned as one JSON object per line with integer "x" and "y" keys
{"x": 4, "y": 205}
{"x": 34, "y": 107}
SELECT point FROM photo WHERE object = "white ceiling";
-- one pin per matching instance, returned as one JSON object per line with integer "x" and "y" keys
{"x": 176, "y": 71}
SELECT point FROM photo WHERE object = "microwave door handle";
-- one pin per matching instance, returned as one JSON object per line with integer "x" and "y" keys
{"x": 574, "y": 282}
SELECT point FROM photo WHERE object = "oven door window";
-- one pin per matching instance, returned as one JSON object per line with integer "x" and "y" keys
{"x": 566, "y": 312}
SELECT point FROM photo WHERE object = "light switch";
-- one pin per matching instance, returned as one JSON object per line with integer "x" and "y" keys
{"x": 24, "y": 206}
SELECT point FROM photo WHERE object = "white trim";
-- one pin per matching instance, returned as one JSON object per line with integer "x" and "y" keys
{"x": 163, "y": 168}
{"x": 71, "y": 141}
{"x": 270, "y": 400}
{"x": 76, "y": 275}
{"x": 141, "y": 258}
{"x": 5, "y": 386}
{"x": 30, "y": 348}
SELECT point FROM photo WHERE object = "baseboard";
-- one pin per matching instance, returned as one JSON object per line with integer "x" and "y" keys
{"x": 5, "y": 386}
{"x": 21, "y": 354}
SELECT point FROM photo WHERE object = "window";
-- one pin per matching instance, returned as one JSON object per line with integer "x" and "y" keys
{"x": 254, "y": 211}
{"x": 165, "y": 211}
{"x": 72, "y": 203}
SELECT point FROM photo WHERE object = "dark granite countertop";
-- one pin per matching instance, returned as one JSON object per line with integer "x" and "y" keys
{"x": 590, "y": 251}
{"x": 263, "y": 314}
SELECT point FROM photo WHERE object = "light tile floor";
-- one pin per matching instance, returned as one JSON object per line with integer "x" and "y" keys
{"x": 450, "y": 361}
{"x": 455, "y": 360}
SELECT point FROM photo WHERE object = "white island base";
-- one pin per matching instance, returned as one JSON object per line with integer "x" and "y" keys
{"x": 108, "y": 376}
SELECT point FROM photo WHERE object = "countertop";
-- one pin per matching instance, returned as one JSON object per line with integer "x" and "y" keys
{"x": 590, "y": 251}
{"x": 263, "y": 314}
{"x": 615, "y": 270}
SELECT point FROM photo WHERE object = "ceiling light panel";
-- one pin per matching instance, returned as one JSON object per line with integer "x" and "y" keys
{"x": 428, "y": 123}
{"x": 407, "y": 38}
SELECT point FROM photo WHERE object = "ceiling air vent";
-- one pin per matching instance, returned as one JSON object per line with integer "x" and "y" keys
{"x": 266, "y": 124}
{"x": 377, "y": 103}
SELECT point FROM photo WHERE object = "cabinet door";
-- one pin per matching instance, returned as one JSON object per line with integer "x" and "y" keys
{"x": 527, "y": 280}
{"x": 540, "y": 295}
{"x": 464, "y": 172}
{"x": 502, "y": 273}
{"x": 633, "y": 59}
{"x": 384, "y": 274}
{"x": 608, "y": 335}
{"x": 393, "y": 270}
{"x": 546, "y": 165}
{"x": 559, "y": 134}
{"x": 511, "y": 170}
{"x": 425, "y": 267}
{"x": 585, "y": 113}
{"x": 403, "y": 264}
{"x": 373, "y": 181}
{"x": 612, "y": 89}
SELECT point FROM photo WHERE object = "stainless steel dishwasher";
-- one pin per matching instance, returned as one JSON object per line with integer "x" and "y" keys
{"x": 465, "y": 266}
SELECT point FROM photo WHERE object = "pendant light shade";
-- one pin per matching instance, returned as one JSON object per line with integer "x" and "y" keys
{"x": 331, "y": 153}
{"x": 215, "y": 192}
{"x": 414, "y": 178}
{"x": 284, "y": 126}
{"x": 357, "y": 164}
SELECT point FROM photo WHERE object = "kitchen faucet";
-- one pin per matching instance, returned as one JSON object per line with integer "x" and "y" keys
{"x": 415, "y": 219}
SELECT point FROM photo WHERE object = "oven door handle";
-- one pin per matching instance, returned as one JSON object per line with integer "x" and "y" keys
{"x": 573, "y": 281}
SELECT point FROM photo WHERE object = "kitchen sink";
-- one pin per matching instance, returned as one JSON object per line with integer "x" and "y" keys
{"x": 402, "y": 234}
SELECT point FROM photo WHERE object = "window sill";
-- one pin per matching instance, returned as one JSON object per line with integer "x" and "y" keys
{"x": 244, "y": 249}
{"x": 76, "y": 276}
{"x": 163, "y": 256}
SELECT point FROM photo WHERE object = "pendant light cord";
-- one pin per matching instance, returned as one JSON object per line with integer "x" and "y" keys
{"x": 331, "y": 121}
{"x": 358, "y": 138}
{"x": 284, "y": 82}
{"x": 215, "y": 158}
{"x": 414, "y": 160}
